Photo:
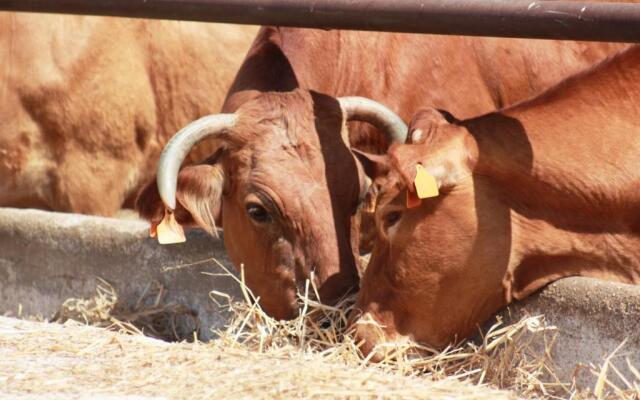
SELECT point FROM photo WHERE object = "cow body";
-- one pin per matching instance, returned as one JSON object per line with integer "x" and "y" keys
{"x": 87, "y": 103}
{"x": 530, "y": 194}
{"x": 306, "y": 168}
{"x": 387, "y": 67}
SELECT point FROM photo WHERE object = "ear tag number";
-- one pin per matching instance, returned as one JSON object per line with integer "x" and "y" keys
{"x": 425, "y": 183}
{"x": 169, "y": 231}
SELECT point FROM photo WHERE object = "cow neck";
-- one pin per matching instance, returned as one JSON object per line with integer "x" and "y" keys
{"x": 542, "y": 252}
{"x": 573, "y": 150}
{"x": 565, "y": 164}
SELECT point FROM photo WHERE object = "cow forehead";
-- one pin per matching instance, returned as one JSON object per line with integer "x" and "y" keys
{"x": 292, "y": 134}
{"x": 285, "y": 152}
{"x": 290, "y": 119}
{"x": 301, "y": 174}
{"x": 389, "y": 187}
{"x": 291, "y": 145}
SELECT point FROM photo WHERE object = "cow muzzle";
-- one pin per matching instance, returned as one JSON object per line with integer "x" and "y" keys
{"x": 376, "y": 341}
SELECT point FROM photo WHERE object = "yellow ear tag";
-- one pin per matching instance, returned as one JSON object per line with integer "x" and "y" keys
{"x": 169, "y": 231}
{"x": 425, "y": 183}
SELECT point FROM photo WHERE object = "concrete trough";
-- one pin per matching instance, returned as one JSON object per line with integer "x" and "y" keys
{"x": 593, "y": 318}
{"x": 47, "y": 257}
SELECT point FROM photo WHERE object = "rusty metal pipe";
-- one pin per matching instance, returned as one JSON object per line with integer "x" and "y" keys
{"x": 612, "y": 22}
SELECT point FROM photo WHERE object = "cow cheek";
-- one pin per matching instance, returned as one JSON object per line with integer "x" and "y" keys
{"x": 402, "y": 285}
{"x": 426, "y": 274}
{"x": 448, "y": 288}
{"x": 267, "y": 263}
{"x": 376, "y": 304}
{"x": 373, "y": 322}
{"x": 244, "y": 246}
{"x": 242, "y": 240}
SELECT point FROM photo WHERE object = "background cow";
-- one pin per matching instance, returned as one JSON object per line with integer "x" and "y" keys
{"x": 284, "y": 182}
{"x": 87, "y": 103}
{"x": 542, "y": 190}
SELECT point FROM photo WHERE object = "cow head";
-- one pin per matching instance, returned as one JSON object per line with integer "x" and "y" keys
{"x": 438, "y": 264}
{"x": 283, "y": 183}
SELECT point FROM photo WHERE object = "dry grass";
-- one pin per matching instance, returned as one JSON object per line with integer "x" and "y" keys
{"x": 45, "y": 360}
{"x": 604, "y": 387}
{"x": 150, "y": 315}
{"x": 516, "y": 357}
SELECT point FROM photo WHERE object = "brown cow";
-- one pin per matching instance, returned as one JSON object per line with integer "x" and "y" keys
{"x": 542, "y": 190}
{"x": 87, "y": 103}
{"x": 285, "y": 184}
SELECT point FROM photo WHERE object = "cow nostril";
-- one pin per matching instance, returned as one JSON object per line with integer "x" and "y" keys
{"x": 367, "y": 334}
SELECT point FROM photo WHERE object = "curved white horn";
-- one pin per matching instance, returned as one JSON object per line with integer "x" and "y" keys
{"x": 176, "y": 150}
{"x": 367, "y": 110}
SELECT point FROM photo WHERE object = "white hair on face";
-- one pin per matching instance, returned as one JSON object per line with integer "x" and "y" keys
{"x": 416, "y": 135}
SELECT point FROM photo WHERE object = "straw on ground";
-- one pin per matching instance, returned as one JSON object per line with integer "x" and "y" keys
{"x": 516, "y": 357}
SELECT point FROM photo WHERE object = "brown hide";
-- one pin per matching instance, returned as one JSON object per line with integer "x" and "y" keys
{"x": 87, "y": 103}
{"x": 466, "y": 75}
{"x": 279, "y": 136}
{"x": 533, "y": 193}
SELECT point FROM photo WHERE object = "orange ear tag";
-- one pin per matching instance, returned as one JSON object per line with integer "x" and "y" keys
{"x": 412, "y": 199}
{"x": 169, "y": 231}
{"x": 153, "y": 230}
{"x": 425, "y": 183}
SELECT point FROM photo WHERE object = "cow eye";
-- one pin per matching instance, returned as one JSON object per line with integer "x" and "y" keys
{"x": 391, "y": 219}
{"x": 258, "y": 213}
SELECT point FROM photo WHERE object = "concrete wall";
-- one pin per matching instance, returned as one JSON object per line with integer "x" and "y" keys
{"x": 46, "y": 258}
{"x": 593, "y": 318}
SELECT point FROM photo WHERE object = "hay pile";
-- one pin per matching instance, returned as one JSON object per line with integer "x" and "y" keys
{"x": 514, "y": 357}
{"x": 159, "y": 319}
{"x": 311, "y": 356}
{"x": 73, "y": 360}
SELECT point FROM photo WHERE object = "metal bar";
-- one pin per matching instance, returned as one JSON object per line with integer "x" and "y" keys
{"x": 611, "y": 22}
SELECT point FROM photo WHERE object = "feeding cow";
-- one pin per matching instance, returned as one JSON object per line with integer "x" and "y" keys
{"x": 541, "y": 190}
{"x": 284, "y": 182}
{"x": 87, "y": 103}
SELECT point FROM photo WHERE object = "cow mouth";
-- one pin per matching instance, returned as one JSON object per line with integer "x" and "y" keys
{"x": 377, "y": 344}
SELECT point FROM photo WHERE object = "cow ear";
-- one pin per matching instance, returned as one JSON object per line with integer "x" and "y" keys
{"x": 425, "y": 124}
{"x": 199, "y": 198}
{"x": 374, "y": 165}
{"x": 200, "y": 192}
